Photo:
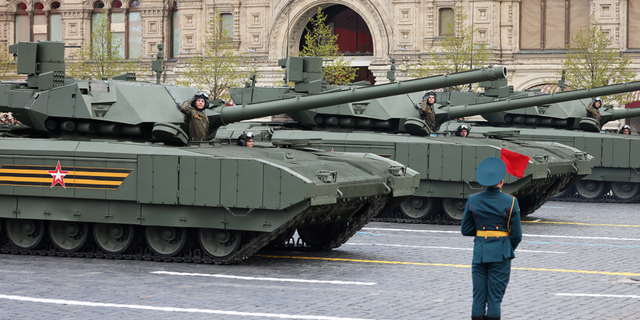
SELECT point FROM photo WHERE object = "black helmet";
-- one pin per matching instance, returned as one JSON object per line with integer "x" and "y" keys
{"x": 430, "y": 93}
{"x": 626, "y": 126}
{"x": 200, "y": 95}
{"x": 463, "y": 127}
{"x": 244, "y": 137}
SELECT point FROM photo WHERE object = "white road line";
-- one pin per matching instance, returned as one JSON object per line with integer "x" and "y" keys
{"x": 262, "y": 279}
{"x": 597, "y": 295}
{"x": 431, "y": 247}
{"x": 172, "y": 309}
{"x": 524, "y": 235}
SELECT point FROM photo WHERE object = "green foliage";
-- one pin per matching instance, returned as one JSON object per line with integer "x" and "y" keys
{"x": 101, "y": 58}
{"x": 8, "y": 70}
{"x": 321, "y": 42}
{"x": 591, "y": 63}
{"x": 218, "y": 67}
{"x": 456, "y": 51}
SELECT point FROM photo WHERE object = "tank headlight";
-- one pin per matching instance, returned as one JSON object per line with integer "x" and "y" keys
{"x": 398, "y": 171}
{"x": 541, "y": 158}
{"x": 583, "y": 156}
{"x": 327, "y": 176}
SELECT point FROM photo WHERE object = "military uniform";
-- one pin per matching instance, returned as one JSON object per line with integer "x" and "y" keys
{"x": 593, "y": 112}
{"x": 427, "y": 114}
{"x": 493, "y": 218}
{"x": 196, "y": 121}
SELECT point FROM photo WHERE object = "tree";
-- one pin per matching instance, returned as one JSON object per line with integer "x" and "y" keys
{"x": 458, "y": 52}
{"x": 219, "y": 66}
{"x": 591, "y": 63}
{"x": 8, "y": 71}
{"x": 101, "y": 58}
{"x": 321, "y": 42}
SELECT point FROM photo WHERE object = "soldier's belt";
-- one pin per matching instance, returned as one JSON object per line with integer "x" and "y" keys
{"x": 491, "y": 233}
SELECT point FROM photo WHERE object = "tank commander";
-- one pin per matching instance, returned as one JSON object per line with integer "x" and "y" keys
{"x": 463, "y": 131}
{"x": 426, "y": 111}
{"x": 626, "y": 129}
{"x": 593, "y": 109}
{"x": 194, "y": 116}
{"x": 493, "y": 218}
{"x": 246, "y": 140}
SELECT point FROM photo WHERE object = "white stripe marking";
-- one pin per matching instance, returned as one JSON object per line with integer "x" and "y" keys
{"x": 524, "y": 235}
{"x": 262, "y": 279}
{"x": 597, "y": 295}
{"x": 430, "y": 247}
{"x": 172, "y": 309}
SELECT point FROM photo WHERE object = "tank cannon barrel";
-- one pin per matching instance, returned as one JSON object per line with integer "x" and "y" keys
{"x": 224, "y": 115}
{"x": 510, "y": 104}
{"x": 623, "y": 113}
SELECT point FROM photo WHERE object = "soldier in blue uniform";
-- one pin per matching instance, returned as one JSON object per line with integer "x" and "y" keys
{"x": 493, "y": 218}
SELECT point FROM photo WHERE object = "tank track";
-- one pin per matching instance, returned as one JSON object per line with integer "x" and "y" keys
{"x": 259, "y": 241}
{"x": 442, "y": 219}
{"x": 605, "y": 198}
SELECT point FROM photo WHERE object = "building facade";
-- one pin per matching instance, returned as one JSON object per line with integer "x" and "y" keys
{"x": 527, "y": 36}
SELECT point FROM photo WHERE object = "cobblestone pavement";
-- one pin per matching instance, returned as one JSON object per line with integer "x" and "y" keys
{"x": 576, "y": 261}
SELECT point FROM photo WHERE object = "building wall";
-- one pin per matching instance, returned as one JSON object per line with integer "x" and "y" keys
{"x": 400, "y": 29}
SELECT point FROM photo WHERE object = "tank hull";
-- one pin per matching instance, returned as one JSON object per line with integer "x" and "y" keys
{"x": 205, "y": 202}
{"x": 614, "y": 177}
{"x": 447, "y": 166}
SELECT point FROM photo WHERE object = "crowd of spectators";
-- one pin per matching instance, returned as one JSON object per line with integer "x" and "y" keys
{"x": 7, "y": 121}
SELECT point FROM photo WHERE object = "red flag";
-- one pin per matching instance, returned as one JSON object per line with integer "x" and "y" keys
{"x": 516, "y": 163}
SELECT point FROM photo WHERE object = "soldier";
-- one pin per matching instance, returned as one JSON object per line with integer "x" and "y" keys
{"x": 593, "y": 109}
{"x": 246, "y": 140}
{"x": 426, "y": 110}
{"x": 493, "y": 218}
{"x": 462, "y": 131}
{"x": 626, "y": 129}
{"x": 194, "y": 116}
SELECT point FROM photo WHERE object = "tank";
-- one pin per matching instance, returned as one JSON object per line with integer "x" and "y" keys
{"x": 388, "y": 126}
{"x": 103, "y": 168}
{"x": 615, "y": 177}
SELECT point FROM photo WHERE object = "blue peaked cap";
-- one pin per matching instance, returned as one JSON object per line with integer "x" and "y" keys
{"x": 491, "y": 171}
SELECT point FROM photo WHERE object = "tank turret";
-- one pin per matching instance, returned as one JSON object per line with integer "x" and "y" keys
{"x": 566, "y": 110}
{"x": 387, "y": 110}
{"x": 55, "y": 106}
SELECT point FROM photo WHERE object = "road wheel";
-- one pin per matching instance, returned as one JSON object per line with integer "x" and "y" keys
{"x": 219, "y": 243}
{"x": 625, "y": 190}
{"x": 591, "y": 189}
{"x": 115, "y": 238}
{"x": 454, "y": 208}
{"x": 69, "y": 236}
{"x": 420, "y": 208}
{"x": 167, "y": 241}
{"x": 26, "y": 234}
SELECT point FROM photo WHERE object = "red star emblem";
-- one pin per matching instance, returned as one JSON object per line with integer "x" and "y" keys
{"x": 58, "y": 176}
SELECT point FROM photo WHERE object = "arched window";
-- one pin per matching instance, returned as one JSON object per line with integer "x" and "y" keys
{"x": 134, "y": 30}
{"x": 55, "y": 21}
{"x": 175, "y": 31}
{"x": 125, "y": 24}
{"x": 40, "y": 30}
{"x": 22, "y": 23}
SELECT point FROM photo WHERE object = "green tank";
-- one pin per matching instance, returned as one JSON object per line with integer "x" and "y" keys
{"x": 615, "y": 176}
{"x": 388, "y": 126}
{"x": 103, "y": 168}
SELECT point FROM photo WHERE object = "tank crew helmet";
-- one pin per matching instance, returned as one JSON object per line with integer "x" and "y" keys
{"x": 626, "y": 126}
{"x": 462, "y": 127}
{"x": 200, "y": 95}
{"x": 430, "y": 93}
{"x": 244, "y": 137}
{"x": 491, "y": 171}
{"x": 598, "y": 99}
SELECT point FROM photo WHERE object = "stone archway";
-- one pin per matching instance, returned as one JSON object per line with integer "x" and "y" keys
{"x": 297, "y": 16}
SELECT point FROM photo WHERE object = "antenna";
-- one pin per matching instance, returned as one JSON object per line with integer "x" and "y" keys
{"x": 288, "y": 25}
{"x": 31, "y": 23}
{"x": 473, "y": 11}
